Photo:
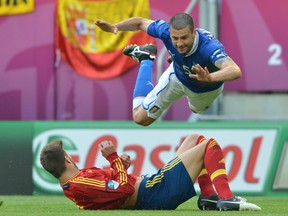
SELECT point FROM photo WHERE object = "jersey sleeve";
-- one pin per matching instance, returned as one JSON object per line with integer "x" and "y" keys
{"x": 159, "y": 29}
{"x": 217, "y": 54}
{"x": 119, "y": 170}
{"x": 96, "y": 188}
{"x": 211, "y": 47}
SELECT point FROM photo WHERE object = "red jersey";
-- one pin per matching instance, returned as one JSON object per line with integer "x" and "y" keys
{"x": 95, "y": 188}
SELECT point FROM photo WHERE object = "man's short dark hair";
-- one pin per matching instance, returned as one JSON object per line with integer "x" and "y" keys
{"x": 181, "y": 20}
{"x": 52, "y": 158}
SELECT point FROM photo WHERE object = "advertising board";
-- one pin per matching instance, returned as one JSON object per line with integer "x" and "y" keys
{"x": 248, "y": 152}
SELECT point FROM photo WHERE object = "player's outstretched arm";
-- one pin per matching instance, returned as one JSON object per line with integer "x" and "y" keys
{"x": 106, "y": 26}
{"x": 131, "y": 24}
{"x": 228, "y": 71}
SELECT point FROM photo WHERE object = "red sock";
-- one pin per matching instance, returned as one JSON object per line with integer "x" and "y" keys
{"x": 204, "y": 181}
{"x": 205, "y": 184}
{"x": 215, "y": 164}
{"x": 200, "y": 139}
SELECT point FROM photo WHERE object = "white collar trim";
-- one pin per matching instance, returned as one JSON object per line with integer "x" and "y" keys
{"x": 195, "y": 45}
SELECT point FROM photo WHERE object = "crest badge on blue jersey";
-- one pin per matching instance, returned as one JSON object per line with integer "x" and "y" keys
{"x": 113, "y": 185}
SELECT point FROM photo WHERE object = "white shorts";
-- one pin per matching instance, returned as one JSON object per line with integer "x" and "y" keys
{"x": 169, "y": 89}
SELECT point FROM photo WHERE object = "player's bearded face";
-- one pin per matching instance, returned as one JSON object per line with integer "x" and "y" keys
{"x": 183, "y": 39}
{"x": 71, "y": 160}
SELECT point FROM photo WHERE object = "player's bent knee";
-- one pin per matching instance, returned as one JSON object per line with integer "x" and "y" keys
{"x": 195, "y": 136}
{"x": 141, "y": 119}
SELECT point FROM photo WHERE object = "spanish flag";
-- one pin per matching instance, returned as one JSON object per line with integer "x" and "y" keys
{"x": 90, "y": 51}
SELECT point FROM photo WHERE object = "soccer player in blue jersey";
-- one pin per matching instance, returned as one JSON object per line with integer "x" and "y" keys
{"x": 199, "y": 69}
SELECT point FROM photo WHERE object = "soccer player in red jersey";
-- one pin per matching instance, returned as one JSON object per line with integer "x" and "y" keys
{"x": 96, "y": 189}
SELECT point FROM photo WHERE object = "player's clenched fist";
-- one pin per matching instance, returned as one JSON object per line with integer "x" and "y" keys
{"x": 106, "y": 147}
{"x": 126, "y": 160}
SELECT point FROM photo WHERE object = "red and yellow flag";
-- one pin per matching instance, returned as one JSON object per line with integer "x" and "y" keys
{"x": 90, "y": 51}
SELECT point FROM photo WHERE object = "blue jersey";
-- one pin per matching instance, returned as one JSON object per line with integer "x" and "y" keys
{"x": 207, "y": 51}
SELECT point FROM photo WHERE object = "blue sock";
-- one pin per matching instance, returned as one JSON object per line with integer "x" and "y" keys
{"x": 143, "y": 83}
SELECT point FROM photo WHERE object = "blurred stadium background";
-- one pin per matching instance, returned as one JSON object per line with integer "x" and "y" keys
{"x": 48, "y": 90}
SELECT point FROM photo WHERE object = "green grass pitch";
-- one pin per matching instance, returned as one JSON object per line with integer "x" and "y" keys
{"x": 59, "y": 205}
